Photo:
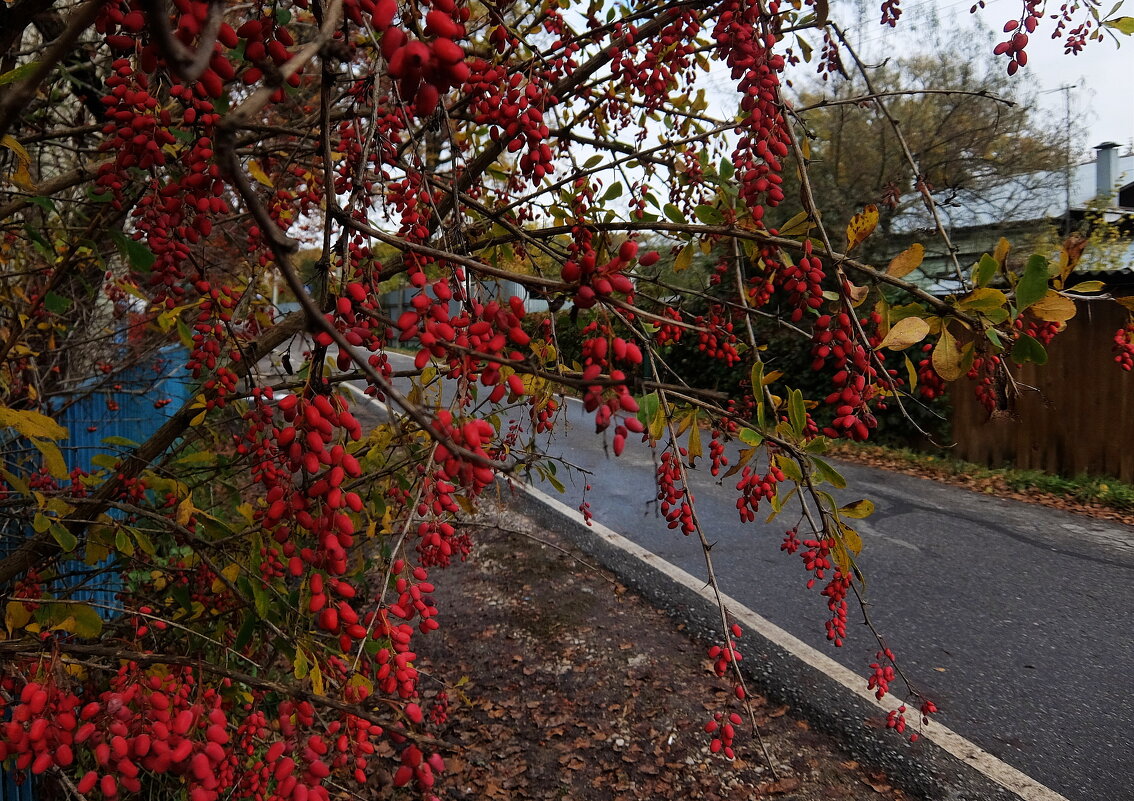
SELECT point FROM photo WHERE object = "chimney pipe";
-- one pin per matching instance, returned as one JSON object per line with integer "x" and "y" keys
{"x": 1106, "y": 172}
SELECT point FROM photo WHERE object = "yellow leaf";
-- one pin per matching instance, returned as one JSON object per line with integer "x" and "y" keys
{"x": 32, "y": 425}
{"x": 684, "y": 259}
{"x": 858, "y": 509}
{"x": 851, "y": 539}
{"x": 947, "y": 356}
{"x": 16, "y": 616}
{"x": 317, "y": 679}
{"x": 695, "y": 448}
{"x": 53, "y": 460}
{"x": 1127, "y": 302}
{"x": 185, "y": 511}
{"x": 1053, "y": 308}
{"x": 22, "y": 177}
{"x": 79, "y": 619}
{"x": 1001, "y": 252}
{"x": 861, "y": 226}
{"x": 904, "y": 333}
{"x": 798, "y": 225}
{"x": 983, "y": 299}
{"x": 257, "y": 172}
{"x": 907, "y": 261}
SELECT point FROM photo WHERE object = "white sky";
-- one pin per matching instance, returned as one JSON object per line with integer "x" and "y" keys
{"x": 1102, "y": 75}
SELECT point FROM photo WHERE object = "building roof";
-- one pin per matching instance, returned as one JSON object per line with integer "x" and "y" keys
{"x": 1023, "y": 198}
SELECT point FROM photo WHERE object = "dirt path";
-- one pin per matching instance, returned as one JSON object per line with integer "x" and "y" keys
{"x": 563, "y": 684}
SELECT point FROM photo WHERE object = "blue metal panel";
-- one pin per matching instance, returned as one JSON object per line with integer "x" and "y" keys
{"x": 133, "y": 406}
{"x": 11, "y": 790}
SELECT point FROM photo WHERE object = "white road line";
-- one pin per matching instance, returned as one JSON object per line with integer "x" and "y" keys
{"x": 968, "y": 752}
{"x": 995, "y": 769}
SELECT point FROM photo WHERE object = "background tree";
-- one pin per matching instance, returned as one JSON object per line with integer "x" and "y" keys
{"x": 226, "y": 604}
{"x": 984, "y": 151}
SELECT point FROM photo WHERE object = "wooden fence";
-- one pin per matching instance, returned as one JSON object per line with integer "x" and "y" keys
{"x": 1081, "y": 420}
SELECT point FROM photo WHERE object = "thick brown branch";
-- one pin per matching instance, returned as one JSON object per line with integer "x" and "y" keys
{"x": 21, "y": 93}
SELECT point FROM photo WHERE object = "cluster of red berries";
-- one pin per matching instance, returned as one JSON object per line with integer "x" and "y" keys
{"x": 744, "y": 46}
{"x": 753, "y": 487}
{"x": 1018, "y": 31}
{"x": 676, "y": 502}
{"x": 424, "y": 70}
{"x": 1124, "y": 347}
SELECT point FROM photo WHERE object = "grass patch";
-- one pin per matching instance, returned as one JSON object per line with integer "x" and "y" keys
{"x": 1099, "y": 491}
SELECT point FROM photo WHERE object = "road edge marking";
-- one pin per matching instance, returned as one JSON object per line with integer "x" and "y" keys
{"x": 991, "y": 767}
{"x": 968, "y": 752}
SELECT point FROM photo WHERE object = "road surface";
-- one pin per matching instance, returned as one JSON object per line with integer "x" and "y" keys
{"x": 1015, "y": 618}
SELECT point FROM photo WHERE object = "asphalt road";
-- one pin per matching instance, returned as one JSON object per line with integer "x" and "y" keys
{"x": 1015, "y": 618}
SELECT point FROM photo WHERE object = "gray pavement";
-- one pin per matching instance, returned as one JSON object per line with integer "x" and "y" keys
{"x": 1015, "y": 618}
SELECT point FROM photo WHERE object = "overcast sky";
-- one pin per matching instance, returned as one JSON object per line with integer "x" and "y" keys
{"x": 1102, "y": 76}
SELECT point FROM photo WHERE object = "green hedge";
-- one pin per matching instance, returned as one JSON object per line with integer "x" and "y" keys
{"x": 785, "y": 351}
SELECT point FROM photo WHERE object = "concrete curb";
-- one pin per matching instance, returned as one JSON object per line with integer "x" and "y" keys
{"x": 941, "y": 766}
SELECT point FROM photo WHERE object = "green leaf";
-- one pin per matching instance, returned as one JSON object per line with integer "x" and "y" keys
{"x": 828, "y": 473}
{"x": 79, "y": 619}
{"x": 56, "y": 304}
{"x": 120, "y": 441}
{"x": 1124, "y": 25}
{"x": 985, "y": 270}
{"x": 614, "y": 192}
{"x": 144, "y": 542}
{"x": 798, "y": 225}
{"x": 1033, "y": 284}
{"x": 674, "y": 214}
{"x": 66, "y": 540}
{"x": 779, "y": 501}
{"x": 647, "y": 408}
{"x": 19, "y": 73}
{"x": 797, "y": 412}
{"x": 593, "y": 161}
{"x": 983, "y": 300}
{"x": 135, "y": 252}
{"x": 709, "y": 215}
{"x": 756, "y": 377}
{"x": 790, "y": 469}
{"x": 726, "y": 169}
{"x": 300, "y": 667}
{"x": 1028, "y": 349}
{"x": 244, "y": 636}
{"x": 123, "y": 543}
{"x": 750, "y": 437}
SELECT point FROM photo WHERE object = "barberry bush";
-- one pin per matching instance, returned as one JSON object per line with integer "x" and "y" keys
{"x": 226, "y": 605}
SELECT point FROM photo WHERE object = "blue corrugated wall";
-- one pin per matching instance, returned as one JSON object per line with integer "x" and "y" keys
{"x": 132, "y": 406}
